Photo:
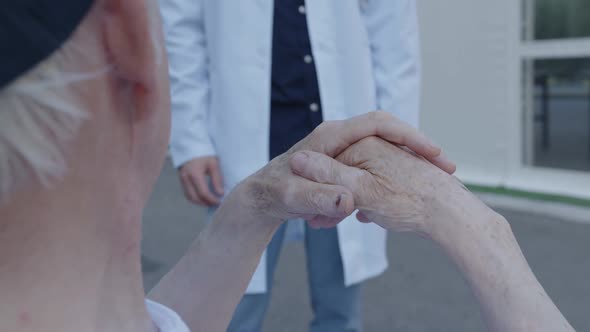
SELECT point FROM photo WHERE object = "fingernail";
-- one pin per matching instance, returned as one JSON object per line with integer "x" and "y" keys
{"x": 437, "y": 149}
{"x": 339, "y": 200}
{"x": 299, "y": 161}
{"x": 445, "y": 164}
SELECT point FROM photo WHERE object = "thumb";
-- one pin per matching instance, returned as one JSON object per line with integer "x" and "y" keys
{"x": 311, "y": 199}
{"x": 320, "y": 168}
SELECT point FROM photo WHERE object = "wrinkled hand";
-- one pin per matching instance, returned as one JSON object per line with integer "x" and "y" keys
{"x": 194, "y": 177}
{"x": 392, "y": 187}
{"x": 400, "y": 191}
{"x": 278, "y": 193}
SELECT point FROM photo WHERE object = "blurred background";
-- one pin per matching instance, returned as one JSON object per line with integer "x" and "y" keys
{"x": 506, "y": 91}
{"x": 514, "y": 77}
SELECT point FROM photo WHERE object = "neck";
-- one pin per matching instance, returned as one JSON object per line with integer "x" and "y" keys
{"x": 70, "y": 264}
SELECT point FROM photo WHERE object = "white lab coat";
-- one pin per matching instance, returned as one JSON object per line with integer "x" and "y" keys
{"x": 367, "y": 57}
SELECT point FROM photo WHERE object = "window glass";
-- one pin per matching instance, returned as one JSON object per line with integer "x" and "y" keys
{"x": 557, "y": 101}
{"x": 556, "y": 19}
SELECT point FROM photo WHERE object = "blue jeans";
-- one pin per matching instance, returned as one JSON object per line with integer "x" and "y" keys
{"x": 336, "y": 308}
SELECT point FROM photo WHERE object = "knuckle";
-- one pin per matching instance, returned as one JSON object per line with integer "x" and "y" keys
{"x": 332, "y": 173}
{"x": 323, "y": 170}
{"x": 319, "y": 201}
{"x": 364, "y": 180}
{"x": 311, "y": 200}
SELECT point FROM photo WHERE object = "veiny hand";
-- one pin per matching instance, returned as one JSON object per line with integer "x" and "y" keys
{"x": 194, "y": 179}
{"x": 392, "y": 186}
{"x": 276, "y": 192}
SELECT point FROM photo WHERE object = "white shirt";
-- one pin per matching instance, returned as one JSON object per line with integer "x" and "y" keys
{"x": 165, "y": 319}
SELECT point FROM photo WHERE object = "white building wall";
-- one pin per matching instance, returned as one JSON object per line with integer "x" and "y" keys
{"x": 471, "y": 95}
{"x": 465, "y": 94}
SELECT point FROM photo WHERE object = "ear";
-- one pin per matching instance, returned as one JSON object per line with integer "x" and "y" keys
{"x": 127, "y": 32}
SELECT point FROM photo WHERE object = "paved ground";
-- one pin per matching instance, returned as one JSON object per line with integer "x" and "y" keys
{"x": 421, "y": 292}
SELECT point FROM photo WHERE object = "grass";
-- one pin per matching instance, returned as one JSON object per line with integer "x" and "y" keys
{"x": 530, "y": 195}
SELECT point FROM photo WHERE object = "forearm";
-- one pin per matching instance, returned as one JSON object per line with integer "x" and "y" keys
{"x": 209, "y": 281}
{"x": 485, "y": 250}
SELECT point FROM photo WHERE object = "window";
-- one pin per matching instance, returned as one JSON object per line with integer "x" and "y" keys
{"x": 560, "y": 105}
{"x": 556, "y": 83}
{"x": 556, "y": 19}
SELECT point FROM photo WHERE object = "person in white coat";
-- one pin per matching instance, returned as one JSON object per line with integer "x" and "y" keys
{"x": 248, "y": 80}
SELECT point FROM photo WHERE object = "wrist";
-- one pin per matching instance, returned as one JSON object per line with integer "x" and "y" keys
{"x": 255, "y": 202}
{"x": 458, "y": 214}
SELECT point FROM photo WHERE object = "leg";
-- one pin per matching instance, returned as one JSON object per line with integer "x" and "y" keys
{"x": 336, "y": 307}
{"x": 249, "y": 315}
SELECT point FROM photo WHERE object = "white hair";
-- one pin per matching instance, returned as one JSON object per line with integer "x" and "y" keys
{"x": 37, "y": 117}
{"x": 40, "y": 112}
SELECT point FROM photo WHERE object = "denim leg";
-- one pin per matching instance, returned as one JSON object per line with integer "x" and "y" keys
{"x": 249, "y": 315}
{"x": 336, "y": 308}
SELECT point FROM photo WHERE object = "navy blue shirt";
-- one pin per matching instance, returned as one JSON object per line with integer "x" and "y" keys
{"x": 295, "y": 96}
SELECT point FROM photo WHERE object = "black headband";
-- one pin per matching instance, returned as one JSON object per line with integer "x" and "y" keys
{"x": 31, "y": 30}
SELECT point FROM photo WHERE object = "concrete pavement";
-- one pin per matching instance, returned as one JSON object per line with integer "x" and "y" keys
{"x": 421, "y": 291}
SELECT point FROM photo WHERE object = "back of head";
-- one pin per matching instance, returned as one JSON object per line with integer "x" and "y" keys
{"x": 84, "y": 124}
{"x": 38, "y": 113}
{"x": 63, "y": 63}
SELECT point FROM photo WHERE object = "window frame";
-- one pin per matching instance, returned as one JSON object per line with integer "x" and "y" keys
{"x": 521, "y": 173}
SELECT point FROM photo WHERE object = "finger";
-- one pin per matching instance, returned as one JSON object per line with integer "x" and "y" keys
{"x": 443, "y": 163}
{"x": 344, "y": 133}
{"x": 310, "y": 198}
{"x": 216, "y": 178}
{"x": 440, "y": 161}
{"x": 314, "y": 224}
{"x": 363, "y": 218}
{"x": 203, "y": 190}
{"x": 320, "y": 168}
{"x": 190, "y": 192}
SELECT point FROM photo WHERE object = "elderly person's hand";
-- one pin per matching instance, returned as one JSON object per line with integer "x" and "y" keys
{"x": 392, "y": 186}
{"x": 277, "y": 193}
{"x": 221, "y": 261}
{"x": 401, "y": 191}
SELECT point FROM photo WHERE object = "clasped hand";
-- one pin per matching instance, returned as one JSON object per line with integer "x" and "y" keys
{"x": 370, "y": 172}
